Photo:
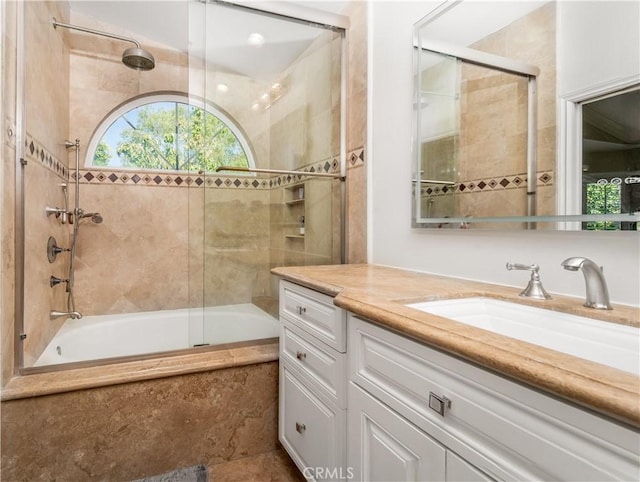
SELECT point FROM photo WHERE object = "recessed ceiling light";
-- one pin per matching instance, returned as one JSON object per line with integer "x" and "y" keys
{"x": 264, "y": 96}
{"x": 276, "y": 86}
{"x": 255, "y": 106}
{"x": 256, "y": 39}
{"x": 222, "y": 88}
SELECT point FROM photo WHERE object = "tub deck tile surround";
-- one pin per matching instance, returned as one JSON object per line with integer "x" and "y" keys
{"x": 380, "y": 293}
{"x": 104, "y": 375}
{"x": 134, "y": 430}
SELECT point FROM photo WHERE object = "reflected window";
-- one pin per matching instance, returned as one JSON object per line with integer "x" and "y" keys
{"x": 168, "y": 132}
{"x": 611, "y": 157}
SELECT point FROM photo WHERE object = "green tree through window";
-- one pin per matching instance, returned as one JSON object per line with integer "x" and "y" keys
{"x": 603, "y": 199}
{"x": 169, "y": 135}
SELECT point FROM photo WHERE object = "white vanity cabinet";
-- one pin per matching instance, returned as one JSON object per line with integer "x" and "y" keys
{"x": 416, "y": 413}
{"x": 361, "y": 402}
{"x": 313, "y": 377}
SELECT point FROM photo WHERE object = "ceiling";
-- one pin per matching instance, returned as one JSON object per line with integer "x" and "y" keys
{"x": 216, "y": 32}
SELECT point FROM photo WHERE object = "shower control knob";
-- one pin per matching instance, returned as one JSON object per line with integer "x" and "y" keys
{"x": 53, "y": 249}
{"x": 53, "y": 281}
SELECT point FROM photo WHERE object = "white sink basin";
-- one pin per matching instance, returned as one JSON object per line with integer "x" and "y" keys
{"x": 610, "y": 344}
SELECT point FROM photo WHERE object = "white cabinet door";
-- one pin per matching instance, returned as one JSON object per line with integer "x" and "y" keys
{"x": 458, "y": 470}
{"x": 385, "y": 447}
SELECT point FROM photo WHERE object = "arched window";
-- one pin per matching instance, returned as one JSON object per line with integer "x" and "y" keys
{"x": 168, "y": 131}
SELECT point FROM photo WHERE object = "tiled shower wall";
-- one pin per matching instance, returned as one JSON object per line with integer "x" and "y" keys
{"x": 47, "y": 125}
{"x": 145, "y": 225}
{"x": 8, "y": 55}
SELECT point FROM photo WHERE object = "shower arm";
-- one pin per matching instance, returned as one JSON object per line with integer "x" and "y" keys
{"x": 278, "y": 171}
{"x": 57, "y": 24}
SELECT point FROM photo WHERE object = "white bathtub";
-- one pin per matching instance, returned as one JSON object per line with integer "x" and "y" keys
{"x": 107, "y": 336}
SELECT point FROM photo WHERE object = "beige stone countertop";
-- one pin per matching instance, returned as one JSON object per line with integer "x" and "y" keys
{"x": 380, "y": 293}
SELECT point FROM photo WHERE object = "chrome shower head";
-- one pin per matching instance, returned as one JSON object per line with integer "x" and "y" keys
{"x": 135, "y": 57}
{"x": 138, "y": 58}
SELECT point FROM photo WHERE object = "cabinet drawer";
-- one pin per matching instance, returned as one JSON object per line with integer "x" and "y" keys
{"x": 315, "y": 313}
{"x": 491, "y": 419}
{"x": 325, "y": 366}
{"x": 311, "y": 430}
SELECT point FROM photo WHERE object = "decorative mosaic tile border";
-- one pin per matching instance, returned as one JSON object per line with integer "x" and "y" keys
{"x": 34, "y": 151}
{"x": 543, "y": 178}
{"x": 166, "y": 179}
{"x": 173, "y": 179}
{"x": 10, "y": 133}
{"x": 355, "y": 158}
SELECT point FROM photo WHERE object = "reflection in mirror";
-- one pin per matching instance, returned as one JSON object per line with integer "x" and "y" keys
{"x": 473, "y": 124}
{"x": 611, "y": 158}
{"x": 485, "y": 101}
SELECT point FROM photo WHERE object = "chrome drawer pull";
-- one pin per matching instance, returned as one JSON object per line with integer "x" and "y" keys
{"x": 438, "y": 404}
{"x": 300, "y": 427}
{"x": 301, "y": 310}
{"x": 301, "y": 355}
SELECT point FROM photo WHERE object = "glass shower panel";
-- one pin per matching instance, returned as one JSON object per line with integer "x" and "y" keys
{"x": 195, "y": 191}
{"x": 278, "y": 81}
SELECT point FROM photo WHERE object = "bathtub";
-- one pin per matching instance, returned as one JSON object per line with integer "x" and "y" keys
{"x": 109, "y": 336}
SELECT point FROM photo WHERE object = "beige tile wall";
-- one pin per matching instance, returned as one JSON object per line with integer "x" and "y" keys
{"x": 46, "y": 119}
{"x": 140, "y": 429}
{"x": 7, "y": 190}
{"x": 356, "y": 187}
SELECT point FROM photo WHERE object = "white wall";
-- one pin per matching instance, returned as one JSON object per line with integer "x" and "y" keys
{"x": 609, "y": 32}
{"x": 472, "y": 254}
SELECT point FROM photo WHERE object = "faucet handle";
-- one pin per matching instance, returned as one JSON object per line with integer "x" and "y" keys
{"x": 534, "y": 289}
{"x": 525, "y": 267}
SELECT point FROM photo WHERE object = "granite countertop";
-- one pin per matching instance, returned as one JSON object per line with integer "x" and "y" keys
{"x": 380, "y": 293}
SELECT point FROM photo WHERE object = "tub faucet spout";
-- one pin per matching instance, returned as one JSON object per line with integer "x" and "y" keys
{"x": 74, "y": 315}
{"x": 597, "y": 292}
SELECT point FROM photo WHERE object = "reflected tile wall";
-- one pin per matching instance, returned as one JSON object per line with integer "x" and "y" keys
{"x": 492, "y": 141}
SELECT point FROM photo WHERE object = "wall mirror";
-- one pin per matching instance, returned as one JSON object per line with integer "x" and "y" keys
{"x": 485, "y": 128}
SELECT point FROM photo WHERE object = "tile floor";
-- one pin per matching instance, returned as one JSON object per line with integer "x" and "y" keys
{"x": 273, "y": 466}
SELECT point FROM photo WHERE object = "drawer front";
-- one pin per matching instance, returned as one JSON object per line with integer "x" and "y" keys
{"x": 315, "y": 313}
{"x": 312, "y": 431}
{"x": 490, "y": 419}
{"x": 325, "y": 366}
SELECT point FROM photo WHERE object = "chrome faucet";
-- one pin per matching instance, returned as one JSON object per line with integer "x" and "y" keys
{"x": 74, "y": 315}
{"x": 534, "y": 289}
{"x": 597, "y": 292}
